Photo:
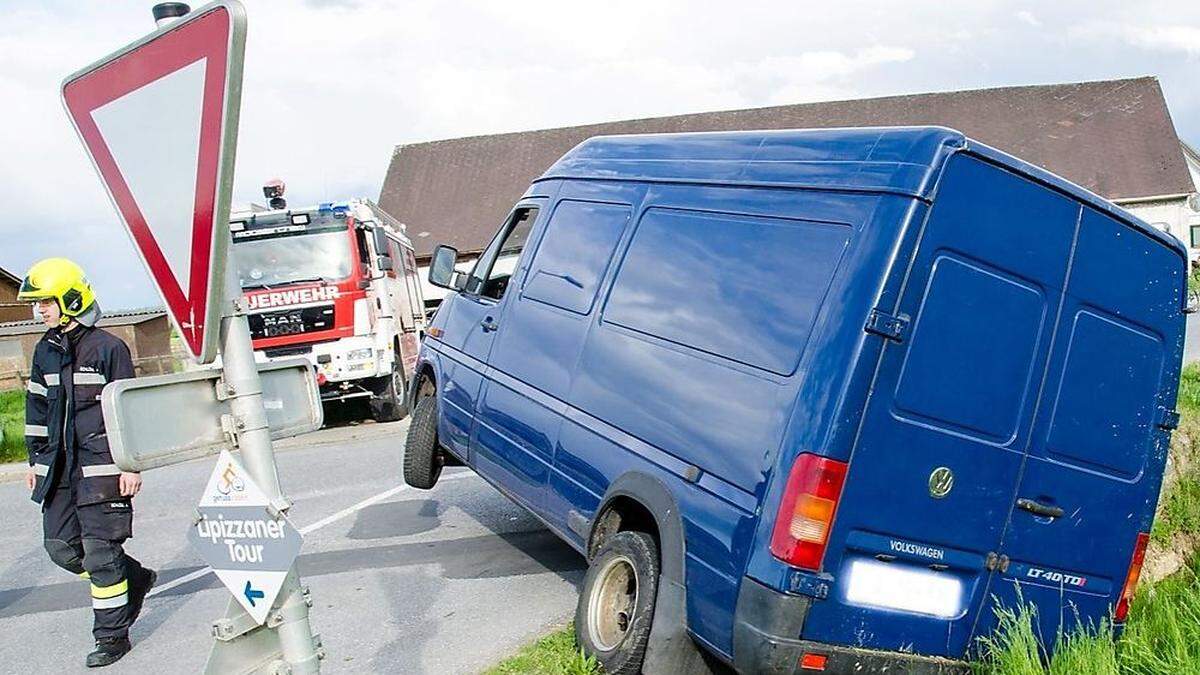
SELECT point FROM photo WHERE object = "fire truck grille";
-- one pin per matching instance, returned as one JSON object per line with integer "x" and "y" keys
{"x": 291, "y": 321}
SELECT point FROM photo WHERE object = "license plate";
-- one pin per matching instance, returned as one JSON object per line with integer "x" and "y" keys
{"x": 892, "y": 586}
{"x": 283, "y": 329}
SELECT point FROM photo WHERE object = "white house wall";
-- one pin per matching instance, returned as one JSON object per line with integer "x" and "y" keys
{"x": 1173, "y": 216}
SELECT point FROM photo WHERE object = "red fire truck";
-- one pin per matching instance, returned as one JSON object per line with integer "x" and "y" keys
{"x": 337, "y": 284}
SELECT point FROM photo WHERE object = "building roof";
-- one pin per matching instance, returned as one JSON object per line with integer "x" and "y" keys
{"x": 127, "y": 317}
{"x": 1190, "y": 152}
{"x": 897, "y": 160}
{"x": 9, "y": 278}
{"x": 1114, "y": 138}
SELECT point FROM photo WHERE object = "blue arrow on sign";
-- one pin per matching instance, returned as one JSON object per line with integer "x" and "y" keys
{"x": 252, "y": 594}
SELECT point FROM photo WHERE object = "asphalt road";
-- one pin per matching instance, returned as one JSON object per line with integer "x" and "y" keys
{"x": 404, "y": 581}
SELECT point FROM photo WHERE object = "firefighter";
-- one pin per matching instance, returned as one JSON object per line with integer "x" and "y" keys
{"x": 87, "y": 511}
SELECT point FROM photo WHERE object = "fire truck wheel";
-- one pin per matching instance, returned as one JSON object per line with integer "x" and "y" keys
{"x": 422, "y": 457}
{"x": 388, "y": 404}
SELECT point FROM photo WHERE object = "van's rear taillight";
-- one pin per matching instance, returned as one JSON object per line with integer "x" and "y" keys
{"x": 807, "y": 509}
{"x": 1131, "y": 578}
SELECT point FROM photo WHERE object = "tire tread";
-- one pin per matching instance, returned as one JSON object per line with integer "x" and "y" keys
{"x": 422, "y": 465}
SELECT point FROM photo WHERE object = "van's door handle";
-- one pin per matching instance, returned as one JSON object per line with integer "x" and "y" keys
{"x": 1039, "y": 509}
{"x": 489, "y": 325}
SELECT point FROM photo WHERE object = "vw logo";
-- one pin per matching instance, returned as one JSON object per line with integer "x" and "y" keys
{"x": 941, "y": 481}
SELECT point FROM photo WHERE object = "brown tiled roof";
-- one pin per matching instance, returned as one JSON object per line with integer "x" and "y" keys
{"x": 9, "y": 277}
{"x": 122, "y": 317}
{"x": 1114, "y": 137}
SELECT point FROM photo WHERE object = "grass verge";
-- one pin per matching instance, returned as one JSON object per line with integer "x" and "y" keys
{"x": 1015, "y": 649}
{"x": 554, "y": 654}
{"x": 1159, "y": 638}
{"x": 12, "y": 421}
{"x": 1176, "y": 533}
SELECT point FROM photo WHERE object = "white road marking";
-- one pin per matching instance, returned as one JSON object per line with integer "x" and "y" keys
{"x": 349, "y": 511}
{"x": 374, "y": 500}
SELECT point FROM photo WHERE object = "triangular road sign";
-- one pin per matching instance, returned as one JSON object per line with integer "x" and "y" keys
{"x": 159, "y": 120}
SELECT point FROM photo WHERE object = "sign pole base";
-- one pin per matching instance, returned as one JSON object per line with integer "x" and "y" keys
{"x": 243, "y": 647}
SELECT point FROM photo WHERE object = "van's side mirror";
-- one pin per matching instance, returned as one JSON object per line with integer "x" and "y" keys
{"x": 441, "y": 269}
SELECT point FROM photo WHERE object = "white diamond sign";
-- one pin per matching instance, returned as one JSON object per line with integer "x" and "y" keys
{"x": 250, "y": 550}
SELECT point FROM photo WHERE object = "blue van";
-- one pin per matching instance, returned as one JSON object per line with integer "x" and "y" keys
{"x": 813, "y": 400}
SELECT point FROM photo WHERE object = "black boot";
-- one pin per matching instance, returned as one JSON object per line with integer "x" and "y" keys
{"x": 108, "y": 651}
{"x": 138, "y": 591}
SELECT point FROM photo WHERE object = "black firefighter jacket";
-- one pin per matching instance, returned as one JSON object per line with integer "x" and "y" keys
{"x": 64, "y": 428}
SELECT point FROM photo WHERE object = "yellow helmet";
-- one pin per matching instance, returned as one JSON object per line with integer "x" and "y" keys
{"x": 64, "y": 281}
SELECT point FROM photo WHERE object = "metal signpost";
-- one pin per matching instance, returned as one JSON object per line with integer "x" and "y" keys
{"x": 158, "y": 118}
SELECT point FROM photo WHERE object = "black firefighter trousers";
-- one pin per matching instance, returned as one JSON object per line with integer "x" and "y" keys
{"x": 86, "y": 541}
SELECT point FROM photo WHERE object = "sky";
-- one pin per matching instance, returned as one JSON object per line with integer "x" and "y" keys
{"x": 331, "y": 87}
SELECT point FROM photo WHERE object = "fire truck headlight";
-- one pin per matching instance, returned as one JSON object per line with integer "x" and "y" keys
{"x": 360, "y": 354}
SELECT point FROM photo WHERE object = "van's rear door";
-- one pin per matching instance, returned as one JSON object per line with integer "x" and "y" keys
{"x": 1095, "y": 463}
{"x": 939, "y": 452}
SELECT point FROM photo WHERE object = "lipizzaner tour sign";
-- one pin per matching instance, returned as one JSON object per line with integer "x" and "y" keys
{"x": 249, "y": 545}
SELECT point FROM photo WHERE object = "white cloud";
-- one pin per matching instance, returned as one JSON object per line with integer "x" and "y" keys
{"x": 1026, "y": 16}
{"x": 1184, "y": 39}
{"x": 1176, "y": 38}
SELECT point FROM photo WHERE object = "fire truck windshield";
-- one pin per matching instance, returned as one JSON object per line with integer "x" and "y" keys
{"x": 292, "y": 258}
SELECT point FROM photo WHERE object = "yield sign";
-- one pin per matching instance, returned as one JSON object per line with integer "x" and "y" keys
{"x": 159, "y": 120}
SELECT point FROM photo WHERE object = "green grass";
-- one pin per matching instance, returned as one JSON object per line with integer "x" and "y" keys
{"x": 1193, "y": 282}
{"x": 1189, "y": 389}
{"x": 1160, "y": 638}
{"x": 1015, "y": 649}
{"x": 1179, "y": 503}
{"x": 1164, "y": 627}
{"x": 554, "y": 654}
{"x": 1179, "y": 510}
{"x": 12, "y": 420}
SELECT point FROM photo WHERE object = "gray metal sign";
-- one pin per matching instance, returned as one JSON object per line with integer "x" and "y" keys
{"x": 249, "y": 545}
{"x": 167, "y": 419}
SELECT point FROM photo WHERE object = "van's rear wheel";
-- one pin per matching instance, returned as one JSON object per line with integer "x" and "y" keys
{"x": 616, "y": 605}
{"x": 422, "y": 457}
{"x": 388, "y": 404}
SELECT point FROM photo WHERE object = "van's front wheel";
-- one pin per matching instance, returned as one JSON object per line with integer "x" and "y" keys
{"x": 422, "y": 457}
{"x": 616, "y": 605}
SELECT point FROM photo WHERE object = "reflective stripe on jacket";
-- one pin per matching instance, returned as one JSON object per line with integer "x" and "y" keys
{"x": 62, "y": 412}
